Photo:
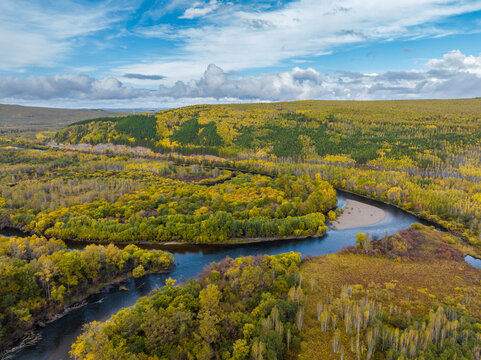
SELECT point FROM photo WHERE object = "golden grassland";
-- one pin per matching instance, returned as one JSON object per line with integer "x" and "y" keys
{"x": 410, "y": 273}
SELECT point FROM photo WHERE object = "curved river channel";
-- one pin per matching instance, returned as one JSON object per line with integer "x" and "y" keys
{"x": 58, "y": 336}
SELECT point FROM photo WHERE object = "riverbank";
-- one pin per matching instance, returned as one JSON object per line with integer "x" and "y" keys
{"x": 237, "y": 164}
{"x": 425, "y": 219}
{"x": 190, "y": 261}
{"x": 358, "y": 214}
{"x": 166, "y": 246}
{"x": 52, "y": 313}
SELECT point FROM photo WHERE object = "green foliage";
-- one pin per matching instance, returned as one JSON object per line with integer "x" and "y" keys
{"x": 332, "y": 215}
{"x": 423, "y": 156}
{"x": 238, "y": 316}
{"x": 192, "y": 133}
{"x": 452, "y": 201}
{"x": 361, "y": 130}
{"x": 120, "y": 199}
{"x": 187, "y": 133}
{"x": 135, "y": 130}
{"x": 38, "y": 276}
{"x": 360, "y": 239}
{"x": 138, "y": 272}
{"x": 142, "y": 128}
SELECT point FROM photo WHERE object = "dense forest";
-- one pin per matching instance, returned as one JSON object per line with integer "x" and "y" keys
{"x": 238, "y": 308}
{"x": 101, "y": 198}
{"x": 250, "y": 172}
{"x": 39, "y": 277}
{"x": 382, "y": 299}
{"x": 452, "y": 202}
{"x": 430, "y": 133}
{"x": 423, "y": 156}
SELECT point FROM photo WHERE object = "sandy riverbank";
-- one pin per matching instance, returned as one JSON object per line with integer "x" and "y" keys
{"x": 358, "y": 214}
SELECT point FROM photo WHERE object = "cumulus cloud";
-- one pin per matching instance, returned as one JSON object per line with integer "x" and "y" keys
{"x": 456, "y": 61}
{"x": 215, "y": 83}
{"x": 199, "y": 9}
{"x": 67, "y": 87}
{"x": 455, "y": 75}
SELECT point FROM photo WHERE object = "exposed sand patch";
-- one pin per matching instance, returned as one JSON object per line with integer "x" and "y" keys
{"x": 358, "y": 214}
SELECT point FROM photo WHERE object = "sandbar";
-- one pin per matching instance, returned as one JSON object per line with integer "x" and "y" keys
{"x": 358, "y": 214}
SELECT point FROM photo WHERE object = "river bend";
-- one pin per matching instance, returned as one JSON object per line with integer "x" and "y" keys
{"x": 58, "y": 337}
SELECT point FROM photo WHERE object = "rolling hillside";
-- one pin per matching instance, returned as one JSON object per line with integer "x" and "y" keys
{"x": 421, "y": 155}
{"x": 304, "y": 130}
{"x": 16, "y": 119}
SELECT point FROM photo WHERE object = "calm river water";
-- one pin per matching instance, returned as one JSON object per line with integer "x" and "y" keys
{"x": 57, "y": 337}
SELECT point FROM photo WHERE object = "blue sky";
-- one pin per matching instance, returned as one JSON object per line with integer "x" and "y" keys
{"x": 164, "y": 53}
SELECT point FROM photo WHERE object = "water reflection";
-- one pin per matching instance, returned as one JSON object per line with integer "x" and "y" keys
{"x": 475, "y": 262}
{"x": 190, "y": 260}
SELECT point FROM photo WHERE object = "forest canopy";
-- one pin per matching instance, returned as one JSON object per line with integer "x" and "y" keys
{"x": 363, "y": 131}
{"x": 421, "y": 155}
{"x": 385, "y": 299}
{"x": 39, "y": 277}
{"x": 114, "y": 199}
{"x": 238, "y": 309}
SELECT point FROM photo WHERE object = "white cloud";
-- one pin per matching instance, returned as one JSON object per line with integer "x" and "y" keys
{"x": 160, "y": 31}
{"x": 40, "y": 35}
{"x": 216, "y": 84}
{"x": 238, "y": 38}
{"x": 456, "y": 61}
{"x": 200, "y": 9}
{"x": 67, "y": 87}
{"x": 455, "y": 75}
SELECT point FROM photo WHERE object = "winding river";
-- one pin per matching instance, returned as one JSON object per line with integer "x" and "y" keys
{"x": 57, "y": 337}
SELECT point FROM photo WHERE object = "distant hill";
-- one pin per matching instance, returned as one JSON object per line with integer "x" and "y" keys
{"x": 421, "y": 130}
{"x": 16, "y": 119}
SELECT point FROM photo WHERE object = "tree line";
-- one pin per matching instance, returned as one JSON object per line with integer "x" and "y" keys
{"x": 247, "y": 308}
{"x": 39, "y": 277}
{"x": 121, "y": 199}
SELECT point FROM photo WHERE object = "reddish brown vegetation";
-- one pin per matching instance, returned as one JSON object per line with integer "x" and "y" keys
{"x": 418, "y": 243}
